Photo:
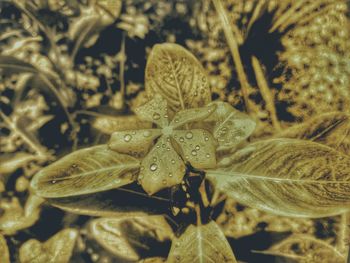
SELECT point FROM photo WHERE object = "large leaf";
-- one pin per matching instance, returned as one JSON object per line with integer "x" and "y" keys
{"x": 176, "y": 75}
{"x": 85, "y": 171}
{"x": 287, "y": 177}
{"x": 4, "y": 251}
{"x": 58, "y": 248}
{"x": 204, "y": 243}
{"x": 131, "y": 238}
{"x": 332, "y": 129}
{"x": 305, "y": 248}
{"x": 113, "y": 203}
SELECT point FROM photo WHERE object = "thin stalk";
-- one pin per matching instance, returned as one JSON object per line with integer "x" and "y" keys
{"x": 344, "y": 235}
{"x": 122, "y": 71}
{"x": 39, "y": 151}
{"x": 265, "y": 92}
{"x": 232, "y": 43}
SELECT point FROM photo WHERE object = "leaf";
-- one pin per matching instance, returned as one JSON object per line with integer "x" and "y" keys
{"x": 112, "y": 203}
{"x": 156, "y": 111}
{"x": 287, "y": 177}
{"x": 332, "y": 129}
{"x": 85, "y": 171}
{"x": 10, "y": 163}
{"x": 131, "y": 238}
{"x": 305, "y": 248}
{"x": 196, "y": 146}
{"x": 4, "y": 251}
{"x": 176, "y": 75}
{"x": 133, "y": 142}
{"x": 109, "y": 124}
{"x": 161, "y": 168}
{"x": 230, "y": 125}
{"x": 58, "y": 248}
{"x": 204, "y": 243}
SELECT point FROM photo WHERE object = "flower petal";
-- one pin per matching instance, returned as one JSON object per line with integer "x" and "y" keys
{"x": 134, "y": 142}
{"x": 197, "y": 146}
{"x": 230, "y": 125}
{"x": 192, "y": 115}
{"x": 161, "y": 168}
{"x": 155, "y": 111}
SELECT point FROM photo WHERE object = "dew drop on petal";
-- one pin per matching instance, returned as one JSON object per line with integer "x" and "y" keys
{"x": 153, "y": 167}
{"x": 147, "y": 134}
{"x": 53, "y": 181}
{"x": 154, "y": 159}
{"x": 156, "y": 116}
{"x": 173, "y": 161}
{"x": 194, "y": 152}
{"x": 170, "y": 175}
{"x": 189, "y": 135}
{"x": 197, "y": 147}
{"x": 127, "y": 137}
{"x": 206, "y": 139}
{"x": 207, "y": 155}
{"x": 164, "y": 182}
{"x": 182, "y": 139}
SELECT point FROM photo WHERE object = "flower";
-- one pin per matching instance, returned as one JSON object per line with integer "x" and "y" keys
{"x": 177, "y": 142}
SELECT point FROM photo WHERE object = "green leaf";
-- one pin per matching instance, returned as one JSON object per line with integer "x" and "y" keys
{"x": 58, "y": 248}
{"x": 287, "y": 177}
{"x": 176, "y": 75}
{"x": 133, "y": 142}
{"x": 130, "y": 238}
{"x": 230, "y": 125}
{"x": 305, "y": 248}
{"x": 4, "y": 251}
{"x": 112, "y": 203}
{"x": 196, "y": 146}
{"x": 161, "y": 168}
{"x": 204, "y": 243}
{"x": 332, "y": 129}
{"x": 85, "y": 171}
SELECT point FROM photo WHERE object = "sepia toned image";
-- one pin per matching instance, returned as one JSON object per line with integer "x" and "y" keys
{"x": 174, "y": 131}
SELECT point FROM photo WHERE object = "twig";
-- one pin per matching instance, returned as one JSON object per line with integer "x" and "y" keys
{"x": 232, "y": 43}
{"x": 122, "y": 70}
{"x": 265, "y": 92}
{"x": 40, "y": 151}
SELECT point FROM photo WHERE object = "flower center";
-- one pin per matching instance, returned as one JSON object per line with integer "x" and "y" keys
{"x": 167, "y": 131}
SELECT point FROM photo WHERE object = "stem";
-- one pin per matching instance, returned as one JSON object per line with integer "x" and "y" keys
{"x": 122, "y": 70}
{"x": 232, "y": 43}
{"x": 265, "y": 92}
{"x": 344, "y": 233}
{"x": 39, "y": 151}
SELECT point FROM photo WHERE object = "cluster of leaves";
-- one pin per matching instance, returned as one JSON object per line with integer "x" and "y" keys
{"x": 201, "y": 142}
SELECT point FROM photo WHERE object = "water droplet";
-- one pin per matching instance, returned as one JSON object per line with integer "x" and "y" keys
{"x": 142, "y": 168}
{"x": 156, "y": 116}
{"x": 164, "y": 182}
{"x": 166, "y": 116}
{"x": 194, "y": 152}
{"x": 170, "y": 175}
{"x": 53, "y": 181}
{"x": 127, "y": 137}
{"x": 206, "y": 139}
{"x": 133, "y": 133}
{"x": 74, "y": 165}
{"x": 207, "y": 155}
{"x": 197, "y": 147}
{"x": 173, "y": 161}
{"x": 153, "y": 167}
{"x": 154, "y": 159}
{"x": 182, "y": 139}
{"x": 189, "y": 135}
{"x": 147, "y": 134}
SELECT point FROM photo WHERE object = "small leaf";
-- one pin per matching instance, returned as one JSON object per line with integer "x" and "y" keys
{"x": 205, "y": 243}
{"x": 85, "y": 171}
{"x": 58, "y": 248}
{"x": 155, "y": 111}
{"x": 191, "y": 115}
{"x": 197, "y": 147}
{"x": 332, "y": 129}
{"x": 109, "y": 124}
{"x": 112, "y": 203}
{"x": 231, "y": 126}
{"x": 130, "y": 238}
{"x": 133, "y": 141}
{"x": 161, "y": 168}
{"x": 175, "y": 74}
{"x": 305, "y": 248}
{"x": 4, "y": 251}
{"x": 287, "y": 177}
